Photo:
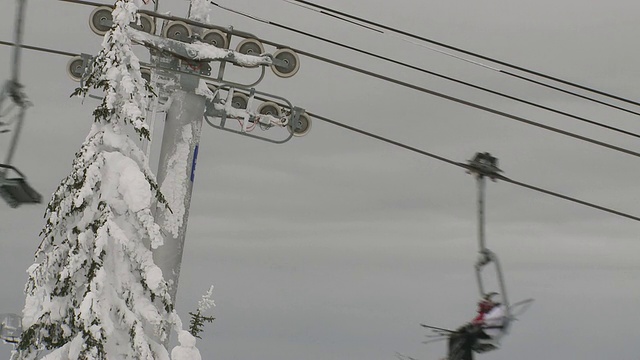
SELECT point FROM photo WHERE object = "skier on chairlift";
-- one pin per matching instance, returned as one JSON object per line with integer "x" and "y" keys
{"x": 482, "y": 334}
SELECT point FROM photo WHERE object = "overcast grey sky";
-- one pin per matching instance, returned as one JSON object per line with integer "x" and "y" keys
{"x": 336, "y": 246}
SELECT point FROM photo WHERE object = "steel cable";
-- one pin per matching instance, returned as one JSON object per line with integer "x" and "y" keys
{"x": 411, "y": 148}
{"x": 474, "y": 86}
{"x": 350, "y": 18}
{"x": 467, "y": 167}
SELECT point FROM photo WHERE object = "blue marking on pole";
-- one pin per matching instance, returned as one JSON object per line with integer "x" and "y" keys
{"x": 193, "y": 164}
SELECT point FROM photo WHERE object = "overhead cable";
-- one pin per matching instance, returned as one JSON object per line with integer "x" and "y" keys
{"x": 467, "y": 167}
{"x": 424, "y": 90}
{"x": 466, "y": 103}
{"x": 407, "y": 147}
{"x": 346, "y": 16}
{"x": 388, "y": 79}
{"x": 410, "y": 148}
{"x": 51, "y": 51}
{"x": 338, "y": 17}
{"x": 510, "y": 97}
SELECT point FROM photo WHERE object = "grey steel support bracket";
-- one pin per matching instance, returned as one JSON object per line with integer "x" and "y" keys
{"x": 217, "y": 108}
{"x": 221, "y": 127}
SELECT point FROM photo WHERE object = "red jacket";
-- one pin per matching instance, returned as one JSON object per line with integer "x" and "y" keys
{"x": 479, "y": 319}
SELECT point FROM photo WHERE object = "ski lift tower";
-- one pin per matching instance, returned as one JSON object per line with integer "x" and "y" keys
{"x": 181, "y": 50}
{"x": 15, "y": 190}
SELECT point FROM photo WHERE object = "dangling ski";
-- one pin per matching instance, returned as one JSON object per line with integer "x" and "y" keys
{"x": 438, "y": 329}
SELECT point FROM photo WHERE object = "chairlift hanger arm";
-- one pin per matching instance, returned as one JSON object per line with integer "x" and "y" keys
{"x": 487, "y": 257}
{"x": 15, "y": 74}
{"x": 13, "y": 87}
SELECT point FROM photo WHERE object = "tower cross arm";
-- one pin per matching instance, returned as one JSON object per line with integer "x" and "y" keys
{"x": 198, "y": 51}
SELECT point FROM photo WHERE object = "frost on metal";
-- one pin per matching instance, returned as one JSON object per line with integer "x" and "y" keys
{"x": 174, "y": 184}
{"x": 197, "y": 50}
{"x": 200, "y": 11}
{"x": 94, "y": 291}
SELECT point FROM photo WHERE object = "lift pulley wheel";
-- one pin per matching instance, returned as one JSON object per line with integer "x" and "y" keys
{"x": 177, "y": 30}
{"x": 270, "y": 108}
{"x": 216, "y": 38}
{"x": 250, "y": 47}
{"x": 146, "y": 74}
{"x": 301, "y": 127}
{"x": 75, "y": 68}
{"x": 100, "y": 20}
{"x": 240, "y": 101}
{"x": 292, "y": 63}
{"x": 146, "y": 24}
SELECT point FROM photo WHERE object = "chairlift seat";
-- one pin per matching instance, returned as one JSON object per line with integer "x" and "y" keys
{"x": 16, "y": 191}
{"x": 491, "y": 343}
{"x": 10, "y": 328}
{"x": 483, "y": 347}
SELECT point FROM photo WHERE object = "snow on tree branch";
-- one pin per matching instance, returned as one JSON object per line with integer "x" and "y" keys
{"x": 116, "y": 70}
{"x": 206, "y": 302}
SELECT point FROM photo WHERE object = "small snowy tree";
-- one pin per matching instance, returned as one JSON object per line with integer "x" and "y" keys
{"x": 94, "y": 291}
{"x": 198, "y": 319}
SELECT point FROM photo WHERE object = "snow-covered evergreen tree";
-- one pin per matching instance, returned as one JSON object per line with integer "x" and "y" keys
{"x": 94, "y": 291}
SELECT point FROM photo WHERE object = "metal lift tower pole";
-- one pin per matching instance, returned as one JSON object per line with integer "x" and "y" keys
{"x": 182, "y": 129}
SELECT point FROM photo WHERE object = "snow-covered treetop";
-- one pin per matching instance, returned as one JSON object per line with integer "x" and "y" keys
{"x": 206, "y": 302}
{"x": 116, "y": 70}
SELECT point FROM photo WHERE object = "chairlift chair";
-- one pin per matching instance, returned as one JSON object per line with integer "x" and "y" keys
{"x": 10, "y": 328}
{"x": 15, "y": 190}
